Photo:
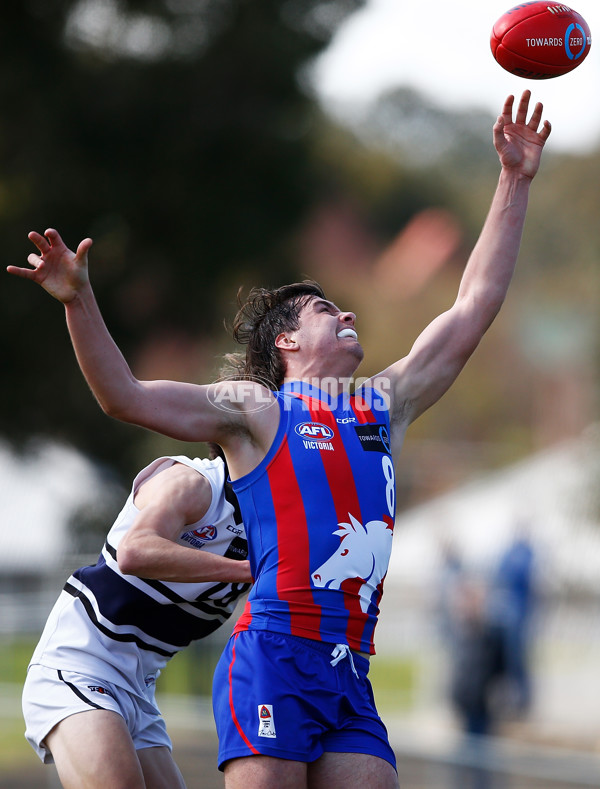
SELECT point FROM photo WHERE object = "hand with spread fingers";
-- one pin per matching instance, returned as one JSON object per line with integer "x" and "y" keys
{"x": 519, "y": 143}
{"x": 59, "y": 270}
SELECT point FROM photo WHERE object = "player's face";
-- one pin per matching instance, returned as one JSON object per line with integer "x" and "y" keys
{"x": 326, "y": 330}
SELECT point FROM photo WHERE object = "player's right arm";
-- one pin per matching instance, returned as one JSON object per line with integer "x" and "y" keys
{"x": 180, "y": 410}
{"x": 441, "y": 351}
{"x": 171, "y": 500}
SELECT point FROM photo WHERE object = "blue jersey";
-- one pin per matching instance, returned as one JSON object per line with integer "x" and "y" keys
{"x": 319, "y": 514}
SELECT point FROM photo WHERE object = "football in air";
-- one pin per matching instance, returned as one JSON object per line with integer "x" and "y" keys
{"x": 540, "y": 40}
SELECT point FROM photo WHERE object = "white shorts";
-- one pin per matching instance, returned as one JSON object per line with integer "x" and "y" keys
{"x": 51, "y": 695}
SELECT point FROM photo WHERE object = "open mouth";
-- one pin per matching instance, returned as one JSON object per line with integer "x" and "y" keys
{"x": 348, "y": 332}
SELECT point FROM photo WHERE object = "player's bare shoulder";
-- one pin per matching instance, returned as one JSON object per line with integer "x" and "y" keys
{"x": 240, "y": 396}
{"x": 177, "y": 483}
{"x": 250, "y": 419}
{"x": 393, "y": 385}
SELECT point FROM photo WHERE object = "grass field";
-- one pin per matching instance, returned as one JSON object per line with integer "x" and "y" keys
{"x": 188, "y": 674}
{"x": 14, "y": 657}
{"x": 395, "y": 682}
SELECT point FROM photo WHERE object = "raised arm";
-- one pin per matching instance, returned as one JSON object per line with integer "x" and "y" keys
{"x": 443, "y": 348}
{"x": 168, "y": 502}
{"x": 180, "y": 410}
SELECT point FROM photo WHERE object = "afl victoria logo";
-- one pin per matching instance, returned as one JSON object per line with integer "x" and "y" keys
{"x": 314, "y": 430}
{"x": 205, "y": 533}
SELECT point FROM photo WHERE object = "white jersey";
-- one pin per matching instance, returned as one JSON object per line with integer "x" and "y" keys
{"x": 125, "y": 628}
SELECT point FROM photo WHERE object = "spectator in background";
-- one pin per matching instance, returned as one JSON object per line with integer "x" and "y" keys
{"x": 513, "y": 605}
{"x": 478, "y": 659}
{"x": 478, "y": 666}
{"x": 450, "y": 575}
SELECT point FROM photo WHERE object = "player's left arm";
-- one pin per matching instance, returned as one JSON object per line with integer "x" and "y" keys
{"x": 440, "y": 352}
{"x": 168, "y": 502}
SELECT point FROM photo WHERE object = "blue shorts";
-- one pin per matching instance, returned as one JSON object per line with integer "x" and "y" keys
{"x": 279, "y": 695}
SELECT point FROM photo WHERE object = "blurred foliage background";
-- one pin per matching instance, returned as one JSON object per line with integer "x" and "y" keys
{"x": 186, "y": 138}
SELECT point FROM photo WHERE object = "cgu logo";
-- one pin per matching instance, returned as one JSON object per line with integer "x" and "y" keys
{"x": 205, "y": 532}
{"x": 314, "y": 430}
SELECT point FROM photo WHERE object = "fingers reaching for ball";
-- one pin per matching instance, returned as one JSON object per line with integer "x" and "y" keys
{"x": 519, "y": 142}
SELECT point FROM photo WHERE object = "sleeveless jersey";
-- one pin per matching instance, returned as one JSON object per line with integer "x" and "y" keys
{"x": 125, "y": 629}
{"x": 319, "y": 514}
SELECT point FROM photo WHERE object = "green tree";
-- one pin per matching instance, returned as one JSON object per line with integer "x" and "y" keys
{"x": 176, "y": 134}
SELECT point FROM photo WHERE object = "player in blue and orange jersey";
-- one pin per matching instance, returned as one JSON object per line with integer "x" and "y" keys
{"x": 312, "y": 466}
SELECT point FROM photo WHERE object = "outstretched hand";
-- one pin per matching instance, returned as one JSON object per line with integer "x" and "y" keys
{"x": 57, "y": 269}
{"x": 519, "y": 143}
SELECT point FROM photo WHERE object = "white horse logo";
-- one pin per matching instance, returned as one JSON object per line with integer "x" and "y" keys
{"x": 364, "y": 553}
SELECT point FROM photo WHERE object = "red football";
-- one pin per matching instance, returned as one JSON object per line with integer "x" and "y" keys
{"x": 539, "y": 40}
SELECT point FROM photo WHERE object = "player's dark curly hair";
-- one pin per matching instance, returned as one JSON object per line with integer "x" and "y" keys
{"x": 259, "y": 320}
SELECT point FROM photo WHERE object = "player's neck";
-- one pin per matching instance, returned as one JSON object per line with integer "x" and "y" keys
{"x": 334, "y": 385}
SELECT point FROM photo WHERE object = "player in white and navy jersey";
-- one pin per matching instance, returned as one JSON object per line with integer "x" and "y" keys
{"x": 171, "y": 571}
